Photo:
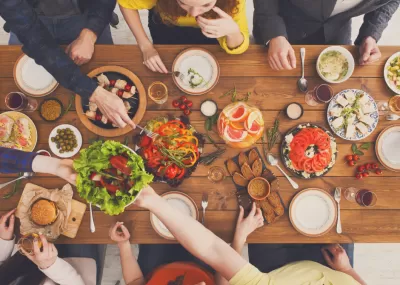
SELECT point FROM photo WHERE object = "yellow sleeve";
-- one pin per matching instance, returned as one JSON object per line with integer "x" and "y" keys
{"x": 250, "y": 275}
{"x": 138, "y": 4}
{"x": 241, "y": 19}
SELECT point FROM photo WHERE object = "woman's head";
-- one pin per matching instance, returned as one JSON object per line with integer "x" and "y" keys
{"x": 178, "y": 8}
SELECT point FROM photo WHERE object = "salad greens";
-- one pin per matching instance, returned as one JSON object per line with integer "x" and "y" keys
{"x": 196, "y": 79}
{"x": 96, "y": 159}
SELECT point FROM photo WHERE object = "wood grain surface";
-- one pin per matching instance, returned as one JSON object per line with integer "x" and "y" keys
{"x": 271, "y": 91}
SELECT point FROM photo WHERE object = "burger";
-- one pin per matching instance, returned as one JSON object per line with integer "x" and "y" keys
{"x": 43, "y": 212}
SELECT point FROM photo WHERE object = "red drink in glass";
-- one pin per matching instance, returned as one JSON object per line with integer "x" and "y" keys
{"x": 366, "y": 198}
{"x": 17, "y": 101}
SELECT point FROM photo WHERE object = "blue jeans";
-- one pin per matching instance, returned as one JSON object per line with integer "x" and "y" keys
{"x": 66, "y": 29}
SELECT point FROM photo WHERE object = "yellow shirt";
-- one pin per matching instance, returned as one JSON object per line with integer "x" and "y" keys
{"x": 297, "y": 273}
{"x": 189, "y": 21}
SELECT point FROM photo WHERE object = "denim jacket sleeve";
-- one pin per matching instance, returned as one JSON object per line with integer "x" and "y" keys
{"x": 42, "y": 47}
{"x": 99, "y": 14}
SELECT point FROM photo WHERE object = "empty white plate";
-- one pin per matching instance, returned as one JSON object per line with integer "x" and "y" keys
{"x": 387, "y": 148}
{"x": 33, "y": 79}
{"x": 182, "y": 203}
{"x": 313, "y": 212}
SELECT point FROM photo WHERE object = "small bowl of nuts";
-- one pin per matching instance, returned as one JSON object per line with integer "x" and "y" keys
{"x": 51, "y": 109}
{"x": 65, "y": 141}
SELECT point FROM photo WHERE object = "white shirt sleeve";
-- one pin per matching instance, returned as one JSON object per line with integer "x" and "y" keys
{"x": 61, "y": 272}
{"x": 6, "y": 249}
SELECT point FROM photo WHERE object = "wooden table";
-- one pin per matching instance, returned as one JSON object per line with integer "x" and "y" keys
{"x": 271, "y": 91}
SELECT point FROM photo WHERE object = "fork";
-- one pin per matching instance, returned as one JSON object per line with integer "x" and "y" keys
{"x": 178, "y": 74}
{"x": 204, "y": 205}
{"x": 392, "y": 117}
{"x": 148, "y": 132}
{"x": 337, "y": 195}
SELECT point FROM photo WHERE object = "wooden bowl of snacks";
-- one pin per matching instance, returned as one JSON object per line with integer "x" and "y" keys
{"x": 259, "y": 188}
{"x": 51, "y": 109}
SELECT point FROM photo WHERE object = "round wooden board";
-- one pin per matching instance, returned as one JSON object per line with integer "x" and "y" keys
{"x": 47, "y": 92}
{"x": 136, "y": 119}
{"x": 292, "y": 221}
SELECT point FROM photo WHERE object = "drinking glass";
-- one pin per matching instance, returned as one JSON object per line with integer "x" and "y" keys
{"x": 26, "y": 242}
{"x": 216, "y": 174}
{"x": 383, "y": 107}
{"x": 394, "y": 104}
{"x": 17, "y": 101}
{"x": 321, "y": 94}
{"x": 363, "y": 197}
{"x": 158, "y": 92}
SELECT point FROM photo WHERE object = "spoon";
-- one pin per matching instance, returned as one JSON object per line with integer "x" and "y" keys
{"x": 274, "y": 162}
{"x": 392, "y": 117}
{"x": 92, "y": 226}
{"x": 25, "y": 175}
{"x": 302, "y": 82}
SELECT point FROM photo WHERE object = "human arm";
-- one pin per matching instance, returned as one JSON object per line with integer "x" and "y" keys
{"x": 151, "y": 58}
{"x": 98, "y": 16}
{"x": 244, "y": 227}
{"x": 47, "y": 260}
{"x": 336, "y": 257}
{"x": 197, "y": 239}
{"x": 130, "y": 268}
{"x": 7, "y": 238}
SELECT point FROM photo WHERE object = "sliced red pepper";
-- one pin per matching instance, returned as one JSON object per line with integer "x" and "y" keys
{"x": 121, "y": 163}
{"x": 171, "y": 171}
{"x": 109, "y": 187}
{"x": 145, "y": 141}
{"x": 181, "y": 174}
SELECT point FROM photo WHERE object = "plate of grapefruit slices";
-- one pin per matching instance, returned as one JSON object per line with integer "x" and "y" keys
{"x": 309, "y": 151}
{"x": 240, "y": 125}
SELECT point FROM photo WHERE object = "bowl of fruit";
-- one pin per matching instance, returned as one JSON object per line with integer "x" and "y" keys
{"x": 240, "y": 125}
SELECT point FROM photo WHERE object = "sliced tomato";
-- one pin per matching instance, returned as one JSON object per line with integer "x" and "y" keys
{"x": 121, "y": 163}
{"x": 307, "y": 165}
{"x": 317, "y": 164}
{"x": 171, "y": 171}
{"x": 181, "y": 173}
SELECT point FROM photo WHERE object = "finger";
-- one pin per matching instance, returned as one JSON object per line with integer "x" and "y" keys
{"x": 54, "y": 250}
{"x": 11, "y": 224}
{"x": 119, "y": 122}
{"x": 45, "y": 244}
{"x": 283, "y": 58}
{"x": 125, "y": 231}
{"x": 208, "y": 35}
{"x": 36, "y": 248}
{"x": 253, "y": 210}
{"x": 241, "y": 214}
{"x": 259, "y": 213}
{"x": 113, "y": 230}
{"x": 365, "y": 52}
{"x": 154, "y": 62}
{"x": 292, "y": 58}
{"x": 161, "y": 64}
{"x": 327, "y": 257}
{"x": 272, "y": 64}
{"x": 150, "y": 66}
{"x": 27, "y": 254}
{"x": 7, "y": 215}
{"x": 277, "y": 62}
{"x": 373, "y": 57}
{"x": 128, "y": 120}
{"x": 221, "y": 13}
{"x": 207, "y": 22}
{"x": 68, "y": 49}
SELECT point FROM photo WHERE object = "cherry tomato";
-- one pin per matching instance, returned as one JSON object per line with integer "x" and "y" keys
{"x": 183, "y": 98}
{"x": 121, "y": 163}
{"x": 365, "y": 174}
{"x": 120, "y": 93}
{"x": 189, "y": 103}
{"x": 349, "y": 157}
{"x": 98, "y": 117}
{"x": 128, "y": 87}
{"x": 378, "y": 171}
{"x": 368, "y": 166}
{"x": 361, "y": 168}
{"x": 359, "y": 176}
{"x": 112, "y": 82}
{"x": 375, "y": 166}
{"x": 182, "y": 107}
{"x": 351, "y": 163}
{"x": 175, "y": 103}
{"x": 187, "y": 112}
{"x": 171, "y": 171}
{"x": 356, "y": 157}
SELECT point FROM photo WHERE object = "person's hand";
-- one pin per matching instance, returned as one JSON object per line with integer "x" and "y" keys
{"x": 281, "y": 55}
{"x": 7, "y": 231}
{"x": 336, "y": 257}
{"x": 82, "y": 48}
{"x": 119, "y": 233}
{"x": 112, "y": 107}
{"x": 152, "y": 59}
{"x": 223, "y": 26}
{"x": 145, "y": 197}
{"x": 369, "y": 51}
{"x": 45, "y": 257}
{"x": 65, "y": 170}
{"x": 245, "y": 226}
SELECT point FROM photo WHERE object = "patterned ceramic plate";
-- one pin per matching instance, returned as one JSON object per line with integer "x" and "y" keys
{"x": 342, "y": 131}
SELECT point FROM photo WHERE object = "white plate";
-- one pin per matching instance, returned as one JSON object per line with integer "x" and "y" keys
{"x": 203, "y": 62}
{"x": 347, "y": 55}
{"x": 33, "y": 79}
{"x": 179, "y": 201}
{"x": 313, "y": 212}
{"x": 385, "y": 73}
{"x": 54, "y": 148}
{"x": 342, "y": 132}
{"x": 387, "y": 148}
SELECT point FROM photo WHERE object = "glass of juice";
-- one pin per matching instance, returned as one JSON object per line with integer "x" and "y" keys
{"x": 17, "y": 101}
{"x": 26, "y": 242}
{"x": 158, "y": 92}
{"x": 321, "y": 94}
{"x": 394, "y": 104}
{"x": 216, "y": 174}
{"x": 366, "y": 198}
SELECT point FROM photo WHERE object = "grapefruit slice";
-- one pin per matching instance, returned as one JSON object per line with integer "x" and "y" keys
{"x": 254, "y": 122}
{"x": 234, "y": 135}
{"x": 238, "y": 113}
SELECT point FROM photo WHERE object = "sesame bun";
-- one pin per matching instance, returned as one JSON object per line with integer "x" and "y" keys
{"x": 43, "y": 212}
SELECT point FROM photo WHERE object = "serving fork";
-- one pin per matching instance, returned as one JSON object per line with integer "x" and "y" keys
{"x": 204, "y": 205}
{"x": 337, "y": 195}
{"x": 148, "y": 133}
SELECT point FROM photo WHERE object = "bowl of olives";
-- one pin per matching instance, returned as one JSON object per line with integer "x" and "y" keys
{"x": 65, "y": 141}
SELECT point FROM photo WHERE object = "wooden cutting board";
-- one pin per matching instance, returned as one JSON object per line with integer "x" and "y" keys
{"x": 75, "y": 218}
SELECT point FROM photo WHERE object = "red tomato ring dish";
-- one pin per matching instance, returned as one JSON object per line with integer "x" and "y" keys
{"x": 174, "y": 154}
{"x": 309, "y": 151}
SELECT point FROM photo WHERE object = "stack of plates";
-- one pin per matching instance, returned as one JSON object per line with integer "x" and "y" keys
{"x": 387, "y": 148}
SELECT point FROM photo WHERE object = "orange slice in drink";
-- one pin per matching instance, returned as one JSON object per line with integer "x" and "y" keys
{"x": 158, "y": 92}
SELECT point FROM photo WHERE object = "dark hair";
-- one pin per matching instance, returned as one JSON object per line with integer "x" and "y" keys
{"x": 18, "y": 266}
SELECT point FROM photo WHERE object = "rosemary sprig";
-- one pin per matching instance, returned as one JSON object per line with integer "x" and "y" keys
{"x": 15, "y": 188}
{"x": 109, "y": 175}
{"x": 208, "y": 159}
{"x": 234, "y": 97}
{"x": 71, "y": 101}
{"x": 272, "y": 134}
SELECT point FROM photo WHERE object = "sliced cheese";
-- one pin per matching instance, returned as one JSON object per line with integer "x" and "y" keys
{"x": 342, "y": 101}
{"x": 362, "y": 128}
{"x": 350, "y": 131}
{"x": 336, "y": 111}
{"x": 338, "y": 122}
{"x": 367, "y": 108}
{"x": 363, "y": 99}
{"x": 367, "y": 120}
{"x": 350, "y": 96}
{"x": 351, "y": 119}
